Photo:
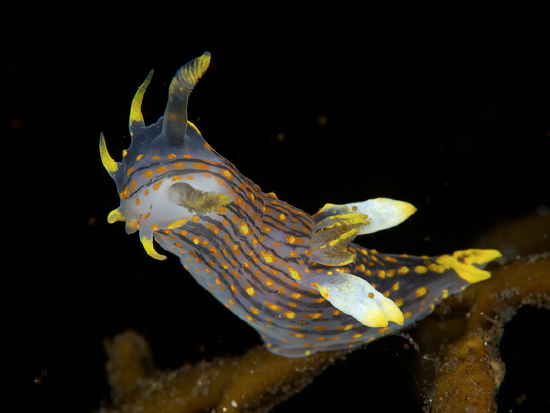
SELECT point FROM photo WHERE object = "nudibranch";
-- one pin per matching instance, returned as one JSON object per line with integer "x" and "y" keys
{"x": 295, "y": 278}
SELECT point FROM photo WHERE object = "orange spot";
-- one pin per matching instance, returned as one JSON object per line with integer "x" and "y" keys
{"x": 295, "y": 274}
{"x": 420, "y": 292}
{"x": 274, "y": 307}
{"x": 269, "y": 257}
{"x": 201, "y": 166}
{"x": 314, "y": 315}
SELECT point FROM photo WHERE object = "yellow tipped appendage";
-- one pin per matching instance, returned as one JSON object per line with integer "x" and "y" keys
{"x": 109, "y": 163}
{"x": 463, "y": 263}
{"x": 115, "y": 216}
{"x": 150, "y": 249}
{"x": 175, "y": 115}
{"x": 136, "y": 117}
{"x": 187, "y": 77}
{"x": 356, "y": 297}
{"x": 384, "y": 213}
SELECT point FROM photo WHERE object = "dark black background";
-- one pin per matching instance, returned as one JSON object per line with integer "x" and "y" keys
{"x": 446, "y": 107}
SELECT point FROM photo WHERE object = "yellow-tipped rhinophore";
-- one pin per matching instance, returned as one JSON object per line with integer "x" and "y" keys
{"x": 187, "y": 77}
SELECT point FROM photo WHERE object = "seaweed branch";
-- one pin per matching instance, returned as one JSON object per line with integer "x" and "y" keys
{"x": 469, "y": 370}
{"x": 255, "y": 381}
